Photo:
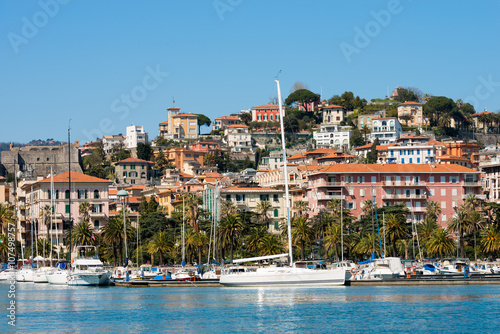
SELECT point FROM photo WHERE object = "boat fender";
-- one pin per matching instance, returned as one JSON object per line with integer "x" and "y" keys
{"x": 354, "y": 271}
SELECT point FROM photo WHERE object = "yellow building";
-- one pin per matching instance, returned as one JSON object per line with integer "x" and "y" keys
{"x": 179, "y": 126}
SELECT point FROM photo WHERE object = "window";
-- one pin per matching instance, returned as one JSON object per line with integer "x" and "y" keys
{"x": 418, "y": 160}
{"x": 432, "y": 192}
{"x": 443, "y": 205}
{"x": 453, "y": 179}
{"x": 276, "y": 226}
{"x": 374, "y": 179}
{"x": 431, "y": 179}
{"x": 96, "y": 224}
{"x": 57, "y": 194}
{"x": 443, "y": 218}
{"x": 275, "y": 198}
{"x": 264, "y": 197}
{"x": 96, "y": 194}
{"x": 67, "y": 208}
{"x": 228, "y": 197}
{"x": 66, "y": 194}
{"x": 362, "y": 192}
{"x": 351, "y": 192}
{"x": 402, "y": 160}
{"x": 411, "y": 160}
{"x": 453, "y": 192}
{"x": 443, "y": 179}
{"x": 132, "y": 167}
{"x": 275, "y": 213}
{"x": 49, "y": 194}
{"x": 443, "y": 192}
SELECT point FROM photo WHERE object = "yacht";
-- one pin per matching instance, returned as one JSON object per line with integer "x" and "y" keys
{"x": 40, "y": 274}
{"x": 455, "y": 267}
{"x": 350, "y": 268}
{"x": 8, "y": 274}
{"x": 87, "y": 270}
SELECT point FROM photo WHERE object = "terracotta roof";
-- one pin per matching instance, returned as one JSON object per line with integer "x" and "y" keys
{"x": 306, "y": 168}
{"x": 184, "y": 175}
{"x": 296, "y": 156}
{"x": 396, "y": 168}
{"x": 135, "y": 160}
{"x": 243, "y": 189}
{"x": 137, "y": 186}
{"x": 75, "y": 178}
{"x": 174, "y": 108}
{"x": 480, "y": 113}
{"x": 267, "y": 106}
{"x": 112, "y": 191}
{"x": 413, "y": 137}
{"x": 333, "y": 155}
{"x": 410, "y": 103}
{"x": 333, "y": 106}
{"x": 185, "y": 115}
{"x": 321, "y": 151}
{"x": 166, "y": 122}
{"x": 228, "y": 117}
{"x": 237, "y": 126}
{"x": 451, "y": 157}
{"x": 379, "y": 147}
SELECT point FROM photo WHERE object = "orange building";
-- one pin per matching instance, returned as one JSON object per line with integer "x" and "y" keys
{"x": 459, "y": 153}
{"x": 179, "y": 156}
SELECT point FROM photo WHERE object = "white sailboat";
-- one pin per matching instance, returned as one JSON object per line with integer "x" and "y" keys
{"x": 300, "y": 273}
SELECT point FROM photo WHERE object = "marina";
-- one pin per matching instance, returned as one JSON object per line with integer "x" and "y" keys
{"x": 49, "y": 308}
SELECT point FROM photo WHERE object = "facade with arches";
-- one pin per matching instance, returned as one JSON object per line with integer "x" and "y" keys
{"x": 387, "y": 130}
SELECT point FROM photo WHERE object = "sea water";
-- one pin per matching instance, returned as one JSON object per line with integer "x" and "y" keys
{"x": 43, "y": 308}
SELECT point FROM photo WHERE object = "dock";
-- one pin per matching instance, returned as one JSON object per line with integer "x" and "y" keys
{"x": 430, "y": 280}
{"x": 168, "y": 283}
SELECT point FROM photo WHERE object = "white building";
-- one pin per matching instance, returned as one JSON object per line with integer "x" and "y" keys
{"x": 135, "y": 135}
{"x": 332, "y": 135}
{"x": 238, "y": 137}
{"x": 412, "y": 154}
{"x": 387, "y": 130}
{"x": 273, "y": 161}
{"x": 109, "y": 141}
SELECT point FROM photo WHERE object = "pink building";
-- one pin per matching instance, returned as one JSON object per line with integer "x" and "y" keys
{"x": 205, "y": 146}
{"x": 266, "y": 113}
{"x": 412, "y": 184}
{"x": 223, "y": 121}
{"x": 84, "y": 188}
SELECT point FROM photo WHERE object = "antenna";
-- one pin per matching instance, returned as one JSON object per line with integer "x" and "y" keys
{"x": 277, "y": 75}
{"x": 173, "y": 101}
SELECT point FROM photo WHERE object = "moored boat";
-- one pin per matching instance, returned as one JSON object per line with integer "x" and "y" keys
{"x": 86, "y": 270}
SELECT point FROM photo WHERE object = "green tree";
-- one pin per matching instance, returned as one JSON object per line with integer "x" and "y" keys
{"x": 144, "y": 151}
{"x": 302, "y": 233}
{"x": 112, "y": 234}
{"x": 84, "y": 209}
{"x": 82, "y": 234}
{"x": 348, "y": 101}
{"x": 230, "y": 227}
{"x": 441, "y": 243}
{"x": 160, "y": 161}
{"x": 198, "y": 240}
{"x": 203, "y": 120}
{"x": 490, "y": 240}
{"x": 270, "y": 245}
{"x": 438, "y": 106}
{"x": 302, "y": 97}
{"x": 192, "y": 203}
{"x": 408, "y": 94}
{"x": 263, "y": 208}
{"x": 6, "y": 217}
{"x": 246, "y": 118}
{"x": 372, "y": 156}
{"x": 152, "y": 204}
{"x": 97, "y": 171}
{"x": 356, "y": 138}
{"x": 396, "y": 229}
{"x": 159, "y": 244}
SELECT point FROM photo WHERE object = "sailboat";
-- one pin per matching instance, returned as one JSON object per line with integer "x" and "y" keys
{"x": 301, "y": 273}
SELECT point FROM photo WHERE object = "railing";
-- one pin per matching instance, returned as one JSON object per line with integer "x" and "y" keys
{"x": 330, "y": 197}
{"x": 328, "y": 184}
{"x": 404, "y": 183}
{"x": 472, "y": 184}
{"x": 403, "y": 196}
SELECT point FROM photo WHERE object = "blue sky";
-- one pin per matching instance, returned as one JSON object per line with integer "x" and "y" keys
{"x": 108, "y": 64}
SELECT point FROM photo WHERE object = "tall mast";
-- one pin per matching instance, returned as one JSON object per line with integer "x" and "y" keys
{"x": 183, "y": 236}
{"x": 31, "y": 218}
{"x": 69, "y": 189}
{"x": 285, "y": 174}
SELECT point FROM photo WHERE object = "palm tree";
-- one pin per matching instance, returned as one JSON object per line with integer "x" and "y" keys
{"x": 432, "y": 210}
{"x": 45, "y": 215}
{"x": 227, "y": 207}
{"x": 198, "y": 240}
{"x": 301, "y": 208}
{"x": 490, "y": 241}
{"x": 367, "y": 207}
{"x": 475, "y": 222}
{"x": 426, "y": 229}
{"x": 459, "y": 224}
{"x": 395, "y": 229}
{"x": 84, "y": 210}
{"x": 301, "y": 233}
{"x": 112, "y": 234}
{"x": 193, "y": 202}
{"x": 6, "y": 217}
{"x": 441, "y": 243}
{"x": 403, "y": 245}
{"x": 270, "y": 245}
{"x": 333, "y": 238}
{"x": 262, "y": 209}
{"x": 363, "y": 245}
{"x": 230, "y": 227}
{"x": 159, "y": 243}
{"x": 4, "y": 247}
{"x": 255, "y": 237}
{"x": 82, "y": 234}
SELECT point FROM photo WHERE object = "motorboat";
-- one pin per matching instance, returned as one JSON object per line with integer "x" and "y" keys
{"x": 455, "y": 267}
{"x": 384, "y": 268}
{"x": 87, "y": 270}
{"x": 25, "y": 274}
{"x": 487, "y": 268}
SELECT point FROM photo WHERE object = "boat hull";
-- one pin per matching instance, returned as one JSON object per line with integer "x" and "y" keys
{"x": 285, "y": 277}
{"x": 59, "y": 277}
{"x": 7, "y": 275}
{"x": 101, "y": 278}
{"x": 24, "y": 275}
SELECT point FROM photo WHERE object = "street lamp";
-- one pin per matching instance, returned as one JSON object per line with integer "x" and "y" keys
{"x": 123, "y": 194}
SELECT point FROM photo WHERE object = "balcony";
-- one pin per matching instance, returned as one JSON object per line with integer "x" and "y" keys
{"x": 403, "y": 184}
{"x": 97, "y": 215}
{"x": 327, "y": 184}
{"x": 472, "y": 184}
{"x": 481, "y": 197}
{"x": 418, "y": 210}
{"x": 403, "y": 196}
{"x": 330, "y": 197}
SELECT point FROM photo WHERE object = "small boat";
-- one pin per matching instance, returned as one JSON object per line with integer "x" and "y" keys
{"x": 455, "y": 267}
{"x": 25, "y": 274}
{"x": 8, "y": 274}
{"x": 384, "y": 268}
{"x": 59, "y": 274}
{"x": 40, "y": 274}
{"x": 87, "y": 270}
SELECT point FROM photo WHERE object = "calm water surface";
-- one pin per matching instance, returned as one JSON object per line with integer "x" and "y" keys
{"x": 51, "y": 309}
